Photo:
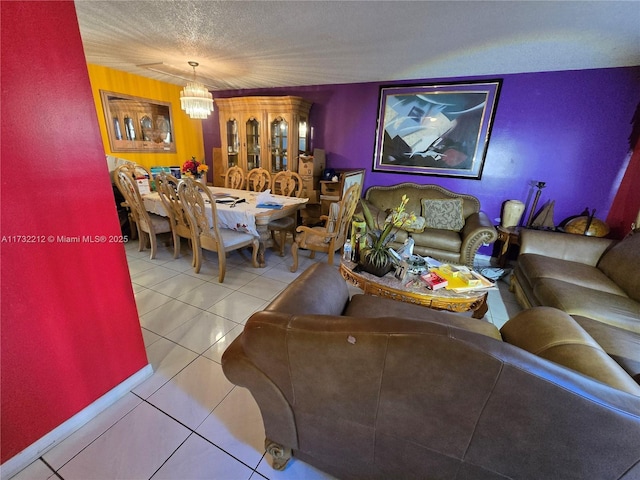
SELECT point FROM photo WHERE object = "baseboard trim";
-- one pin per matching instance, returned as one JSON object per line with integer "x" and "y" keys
{"x": 23, "y": 459}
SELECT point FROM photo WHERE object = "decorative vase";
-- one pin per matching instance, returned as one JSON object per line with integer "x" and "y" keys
{"x": 512, "y": 213}
{"x": 369, "y": 267}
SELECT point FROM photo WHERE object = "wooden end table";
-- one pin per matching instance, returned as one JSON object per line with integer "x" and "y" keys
{"x": 508, "y": 236}
{"x": 390, "y": 287}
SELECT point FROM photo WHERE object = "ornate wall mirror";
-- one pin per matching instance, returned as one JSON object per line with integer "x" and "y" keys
{"x": 138, "y": 124}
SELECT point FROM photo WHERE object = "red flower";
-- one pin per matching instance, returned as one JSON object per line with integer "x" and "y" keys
{"x": 191, "y": 166}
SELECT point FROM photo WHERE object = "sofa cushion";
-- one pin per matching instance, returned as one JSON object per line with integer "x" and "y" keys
{"x": 446, "y": 240}
{"x": 622, "y": 265}
{"x": 406, "y": 223}
{"x": 552, "y": 334}
{"x": 443, "y": 214}
{"x": 621, "y": 345}
{"x": 399, "y": 237}
{"x": 539, "y": 266}
{"x": 616, "y": 310}
{"x": 368, "y": 306}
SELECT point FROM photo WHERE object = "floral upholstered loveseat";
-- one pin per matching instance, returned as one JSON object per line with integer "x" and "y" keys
{"x": 450, "y": 225}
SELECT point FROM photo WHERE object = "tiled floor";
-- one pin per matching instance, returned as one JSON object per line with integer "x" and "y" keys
{"x": 187, "y": 421}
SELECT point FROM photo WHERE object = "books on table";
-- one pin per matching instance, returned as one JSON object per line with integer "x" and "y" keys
{"x": 433, "y": 280}
{"x": 462, "y": 279}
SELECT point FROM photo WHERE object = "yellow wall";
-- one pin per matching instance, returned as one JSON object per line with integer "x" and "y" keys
{"x": 188, "y": 132}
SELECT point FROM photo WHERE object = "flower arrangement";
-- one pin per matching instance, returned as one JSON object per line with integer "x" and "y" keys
{"x": 194, "y": 167}
{"x": 376, "y": 253}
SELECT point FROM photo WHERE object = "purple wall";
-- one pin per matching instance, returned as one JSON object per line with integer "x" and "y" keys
{"x": 569, "y": 129}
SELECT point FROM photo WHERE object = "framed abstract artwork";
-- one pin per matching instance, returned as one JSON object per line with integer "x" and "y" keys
{"x": 440, "y": 129}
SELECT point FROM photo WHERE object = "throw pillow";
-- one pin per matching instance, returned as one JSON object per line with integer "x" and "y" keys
{"x": 443, "y": 214}
{"x": 415, "y": 226}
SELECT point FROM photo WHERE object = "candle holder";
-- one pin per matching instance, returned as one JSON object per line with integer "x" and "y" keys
{"x": 539, "y": 186}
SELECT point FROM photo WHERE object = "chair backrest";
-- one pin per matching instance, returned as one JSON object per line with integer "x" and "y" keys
{"x": 287, "y": 183}
{"x": 234, "y": 178}
{"x": 347, "y": 208}
{"x": 258, "y": 180}
{"x": 167, "y": 187}
{"x": 125, "y": 178}
{"x": 194, "y": 197}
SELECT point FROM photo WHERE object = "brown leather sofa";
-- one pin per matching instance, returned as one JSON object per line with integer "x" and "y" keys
{"x": 371, "y": 388}
{"x": 458, "y": 246}
{"x": 595, "y": 280}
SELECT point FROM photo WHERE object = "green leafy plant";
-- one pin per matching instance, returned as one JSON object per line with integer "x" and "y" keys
{"x": 377, "y": 251}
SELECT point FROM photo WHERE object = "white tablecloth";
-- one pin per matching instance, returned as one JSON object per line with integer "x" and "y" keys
{"x": 241, "y": 217}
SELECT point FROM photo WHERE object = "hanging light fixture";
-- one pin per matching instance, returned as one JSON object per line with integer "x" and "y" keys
{"x": 195, "y": 99}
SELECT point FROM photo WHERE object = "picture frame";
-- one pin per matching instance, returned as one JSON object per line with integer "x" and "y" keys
{"x": 352, "y": 177}
{"x": 438, "y": 129}
{"x": 136, "y": 124}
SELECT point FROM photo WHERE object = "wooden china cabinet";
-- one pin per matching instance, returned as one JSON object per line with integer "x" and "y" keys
{"x": 265, "y": 132}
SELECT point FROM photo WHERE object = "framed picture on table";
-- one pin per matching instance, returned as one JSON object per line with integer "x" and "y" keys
{"x": 438, "y": 129}
{"x": 352, "y": 177}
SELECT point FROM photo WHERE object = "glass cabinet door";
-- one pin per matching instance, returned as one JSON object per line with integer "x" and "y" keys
{"x": 233, "y": 143}
{"x": 279, "y": 144}
{"x": 302, "y": 136}
{"x": 253, "y": 144}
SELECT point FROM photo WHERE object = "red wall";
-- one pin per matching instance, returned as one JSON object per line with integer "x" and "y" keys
{"x": 70, "y": 330}
{"x": 626, "y": 204}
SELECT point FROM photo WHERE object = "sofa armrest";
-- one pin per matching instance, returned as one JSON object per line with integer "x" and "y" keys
{"x": 477, "y": 230}
{"x": 553, "y": 335}
{"x": 564, "y": 246}
{"x": 277, "y": 414}
{"x": 318, "y": 290}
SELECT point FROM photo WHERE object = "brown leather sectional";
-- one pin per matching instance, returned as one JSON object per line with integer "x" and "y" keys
{"x": 595, "y": 280}
{"x": 371, "y": 388}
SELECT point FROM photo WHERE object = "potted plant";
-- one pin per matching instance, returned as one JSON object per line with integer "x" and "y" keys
{"x": 375, "y": 257}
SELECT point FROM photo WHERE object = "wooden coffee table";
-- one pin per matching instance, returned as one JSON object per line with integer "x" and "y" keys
{"x": 390, "y": 287}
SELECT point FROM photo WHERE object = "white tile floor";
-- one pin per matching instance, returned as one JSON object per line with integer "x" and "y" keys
{"x": 187, "y": 421}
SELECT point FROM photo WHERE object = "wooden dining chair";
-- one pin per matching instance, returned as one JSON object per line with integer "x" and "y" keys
{"x": 288, "y": 184}
{"x": 258, "y": 180}
{"x": 167, "y": 187}
{"x": 234, "y": 178}
{"x": 330, "y": 237}
{"x": 124, "y": 204}
{"x": 148, "y": 224}
{"x": 195, "y": 198}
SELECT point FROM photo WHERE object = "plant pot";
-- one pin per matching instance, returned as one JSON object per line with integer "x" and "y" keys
{"x": 381, "y": 271}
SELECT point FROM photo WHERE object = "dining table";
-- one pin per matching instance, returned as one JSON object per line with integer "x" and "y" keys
{"x": 242, "y": 210}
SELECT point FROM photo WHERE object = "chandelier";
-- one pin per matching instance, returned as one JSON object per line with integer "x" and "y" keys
{"x": 195, "y": 99}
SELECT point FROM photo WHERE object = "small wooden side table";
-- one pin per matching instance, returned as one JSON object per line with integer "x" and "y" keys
{"x": 508, "y": 236}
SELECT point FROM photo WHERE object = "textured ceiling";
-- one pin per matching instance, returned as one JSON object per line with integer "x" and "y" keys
{"x": 252, "y": 44}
